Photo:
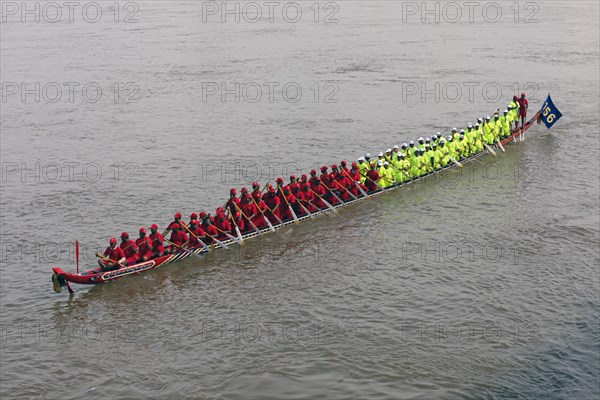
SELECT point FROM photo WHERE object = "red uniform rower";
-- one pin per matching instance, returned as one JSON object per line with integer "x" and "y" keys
{"x": 115, "y": 257}
{"x": 158, "y": 248}
{"x": 144, "y": 245}
{"x": 129, "y": 248}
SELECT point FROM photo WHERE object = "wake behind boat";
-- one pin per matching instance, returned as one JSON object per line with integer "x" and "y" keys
{"x": 364, "y": 187}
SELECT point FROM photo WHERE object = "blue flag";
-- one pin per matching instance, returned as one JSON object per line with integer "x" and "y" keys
{"x": 550, "y": 113}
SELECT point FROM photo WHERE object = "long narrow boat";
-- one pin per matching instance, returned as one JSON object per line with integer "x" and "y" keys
{"x": 97, "y": 275}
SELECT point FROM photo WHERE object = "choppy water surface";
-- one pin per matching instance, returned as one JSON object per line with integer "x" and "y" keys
{"x": 480, "y": 284}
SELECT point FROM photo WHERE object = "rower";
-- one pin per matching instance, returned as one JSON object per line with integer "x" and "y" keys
{"x": 363, "y": 167}
{"x": 193, "y": 217}
{"x": 233, "y": 203}
{"x": 222, "y": 223}
{"x": 250, "y": 213}
{"x": 144, "y": 246}
{"x": 308, "y": 199}
{"x": 256, "y": 190}
{"x": 239, "y": 222}
{"x": 387, "y": 175}
{"x": 293, "y": 182}
{"x": 158, "y": 249}
{"x": 115, "y": 257}
{"x": 176, "y": 221}
{"x": 319, "y": 192}
{"x": 303, "y": 181}
{"x": 411, "y": 148}
{"x": 421, "y": 144}
{"x": 196, "y": 234}
{"x": 209, "y": 229}
{"x": 523, "y": 106}
{"x": 313, "y": 176}
{"x": 488, "y": 131}
{"x": 129, "y": 249}
{"x": 273, "y": 202}
{"x": 324, "y": 175}
{"x": 505, "y": 124}
{"x": 373, "y": 178}
{"x": 178, "y": 238}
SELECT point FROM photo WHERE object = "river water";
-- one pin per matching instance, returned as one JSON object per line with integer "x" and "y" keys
{"x": 480, "y": 283}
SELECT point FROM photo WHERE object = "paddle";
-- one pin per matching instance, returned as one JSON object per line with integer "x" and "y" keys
{"x": 217, "y": 240}
{"x": 263, "y": 214}
{"x": 500, "y": 144}
{"x": 355, "y": 183}
{"x": 248, "y": 219}
{"x": 290, "y": 207}
{"x": 324, "y": 201}
{"x": 304, "y": 208}
{"x": 241, "y": 243}
{"x": 376, "y": 184}
{"x": 100, "y": 255}
{"x": 454, "y": 161}
{"x": 272, "y": 213}
{"x": 199, "y": 241}
{"x": 237, "y": 229}
{"x": 182, "y": 248}
{"x": 331, "y": 191}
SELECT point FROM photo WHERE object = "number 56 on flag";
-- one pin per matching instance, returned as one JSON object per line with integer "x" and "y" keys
{"x": 550, "y": 113}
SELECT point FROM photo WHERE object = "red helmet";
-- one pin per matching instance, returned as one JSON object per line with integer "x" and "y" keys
{"x": 233, "y": 191}
{"x": 219, "y": 210}
{"x": 304, "y": 177}
{"x": 523, "y": 94}
{"x": 343, "y": 163}
{"x": 255, "y": 184}
{"x": 178, "y": 215}
{"x": 334, "y": 166}
{"x": 257, "y": 195}
{"x": 313, "y": 172}
{"x": 272, "y": 189}
{"x": 194, "y": 216}
{"x": 292, "y": 176}
{"x": 113, "y": 241}
{"x": 153, "y": 226}
{"x": 279, "y": 180}
{"x": 143, "y": 230}
{"x": 193, "y": 222}
{"x": 244, "y": 190}
{"x": 354, "y": 165}
{"x": 236, "y": 215}
{"x": 202, "y": 214}
{"x": 324, "y": 168}
{"x": 125, "y": 235}
{"x": 515, "y": 97}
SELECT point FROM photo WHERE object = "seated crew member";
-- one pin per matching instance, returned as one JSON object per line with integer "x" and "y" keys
{"x": 193, "y": 217}
{"x": 176, "y": 221}
{"x": 256, "y": 190}
{"x": 129, "y": 249}
{"x": 308, "y": 199}
{"x": 222, "y": 223}
{"x": 233, "y": 203}
{"x": 178, "y": 238}
{"x": 115, "y": 257}
{"x": 211, "y": 233}
{"x": 144, "y": 246}
{"x": 372, "y": 179}
{"x": 319, "y": 191}
{"x": 238, "y": 221}
{"x": 158, "y": 248}
{"x": 273, "y": 202}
